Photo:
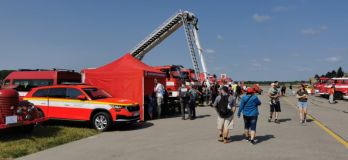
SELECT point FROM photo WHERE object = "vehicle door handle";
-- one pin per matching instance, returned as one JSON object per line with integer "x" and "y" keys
{"x": 66, "y": 105}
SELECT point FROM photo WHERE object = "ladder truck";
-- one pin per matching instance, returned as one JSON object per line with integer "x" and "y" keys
{"x": 182, "y": 18}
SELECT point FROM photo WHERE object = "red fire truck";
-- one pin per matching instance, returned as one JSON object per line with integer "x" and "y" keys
{"x": 224, "y": 80}
{"x": 24, "y": 80}
{"x": 174, "y": 79}
{"x": 320, "y": 85}
{"x": 190, "y": 77}
{"x": 211, "y": 78}
{"x": 341, "y": 85}
{"x": 13, "y": 113}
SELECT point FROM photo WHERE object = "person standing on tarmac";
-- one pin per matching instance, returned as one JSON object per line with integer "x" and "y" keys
{"x": 225, "y": 107}
{"x": 214, "y": 92}
{"x": 159, "y": 90}
{"x": 193, "y": 93}
{"x": 331, "y": 92}
{"x": 302, "y": 103}
{"x": 274, "y": 95}
{"x": 249, "y": 106}
{"x": 184, "y": 100}
{"x": 238, "y": 93}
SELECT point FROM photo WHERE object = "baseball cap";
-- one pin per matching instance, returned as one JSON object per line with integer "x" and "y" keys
{"x": 250, "y": 90}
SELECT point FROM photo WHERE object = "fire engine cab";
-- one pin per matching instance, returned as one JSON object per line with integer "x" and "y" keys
{"x": 341, "y": 87}
{"x": 173, "y": 79}
{"x": 190, "y": 77}
{"x": 320, "y": 85}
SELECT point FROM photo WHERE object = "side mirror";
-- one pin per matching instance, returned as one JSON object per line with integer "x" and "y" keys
{"x": 82, "y": 97}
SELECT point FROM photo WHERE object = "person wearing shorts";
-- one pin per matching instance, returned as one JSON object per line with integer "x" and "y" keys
{"x": 302, "y": 96}
{"x": 249, "y": 106}
{"x": 274, "y": 95}
{"x": 224, "y": 122}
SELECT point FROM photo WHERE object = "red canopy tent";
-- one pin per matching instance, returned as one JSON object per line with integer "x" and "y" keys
{"x": 126, "y": 77}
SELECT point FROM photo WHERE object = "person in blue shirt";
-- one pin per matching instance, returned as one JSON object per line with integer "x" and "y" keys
{"x": 249, "y": 106}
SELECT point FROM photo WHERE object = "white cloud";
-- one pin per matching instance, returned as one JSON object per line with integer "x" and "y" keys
{"x": 260, "y": 18}
{"x": 219, "y": 37}
{"x": 314, "y": 31}
{"x": 210, "y": 51}
{"x": 283, "y": 8}
{"x": 333, "y": 59}
{"x": 267, "y": 59}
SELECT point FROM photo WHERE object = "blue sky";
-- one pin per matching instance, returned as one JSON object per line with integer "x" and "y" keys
{"x": 247, "y": 39}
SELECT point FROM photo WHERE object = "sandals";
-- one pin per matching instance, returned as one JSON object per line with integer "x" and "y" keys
{"x": 220, "y": 139}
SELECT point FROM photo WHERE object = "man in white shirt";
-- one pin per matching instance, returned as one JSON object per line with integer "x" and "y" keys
{"x": 159, "y": 90}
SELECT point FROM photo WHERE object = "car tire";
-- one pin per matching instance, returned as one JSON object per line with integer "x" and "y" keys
{"x": 338, "y": 95}
{"x": 101, "y": 121}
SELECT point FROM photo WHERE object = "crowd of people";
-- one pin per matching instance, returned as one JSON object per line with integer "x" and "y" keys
{"x": 225, "y": 99}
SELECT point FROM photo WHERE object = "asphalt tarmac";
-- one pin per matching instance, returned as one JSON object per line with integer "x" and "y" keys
{"x": 173, "y": 138}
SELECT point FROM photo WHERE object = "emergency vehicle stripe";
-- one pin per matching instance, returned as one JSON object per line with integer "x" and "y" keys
{"x": 79, "y": 101}
{"x": 65, "y": 104}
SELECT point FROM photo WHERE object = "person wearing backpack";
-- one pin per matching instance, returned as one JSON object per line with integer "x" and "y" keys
{"x": 225, "y": 107}
{"x": 249, "y": 106}
{"x": 184, "y": 99}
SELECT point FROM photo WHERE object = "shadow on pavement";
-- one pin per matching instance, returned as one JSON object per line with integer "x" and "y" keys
{"x": 309, "y": 120}
{"x": 203, "y": 116}
{"x": 237, "y": 138}
{"x": 284, "y": 120}
{"x": 261, "y": 139}
{"x": 131, "y": 127}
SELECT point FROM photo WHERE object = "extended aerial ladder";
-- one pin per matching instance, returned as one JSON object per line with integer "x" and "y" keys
{"x": 181, "y": 18}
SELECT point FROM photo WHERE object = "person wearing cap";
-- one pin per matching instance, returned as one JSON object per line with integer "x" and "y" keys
{"x": 224, "y": 119}
{"x": 274, "y": 95}
{"x": 249, "y": 106}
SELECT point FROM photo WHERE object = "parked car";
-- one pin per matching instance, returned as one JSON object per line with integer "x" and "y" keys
{"x": 83, "y": 103}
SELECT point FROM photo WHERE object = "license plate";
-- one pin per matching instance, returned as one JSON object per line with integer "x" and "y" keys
{"x": 11, "y": 119}
{"x": 136, "y": 114}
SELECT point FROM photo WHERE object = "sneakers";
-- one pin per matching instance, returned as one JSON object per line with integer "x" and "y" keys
{"x": 269, "y": 120}
{"x": 253, "y": 142}
{"x": 226, "y": 140}
{"x": 220, "y": 139}
{"x": 276, "y": 121}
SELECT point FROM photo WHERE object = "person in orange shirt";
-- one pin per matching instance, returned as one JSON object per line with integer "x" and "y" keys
{"x": 331, "y": 92}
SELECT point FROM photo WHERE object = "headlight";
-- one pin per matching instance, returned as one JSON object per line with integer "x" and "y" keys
{"x": 117, "y": 107}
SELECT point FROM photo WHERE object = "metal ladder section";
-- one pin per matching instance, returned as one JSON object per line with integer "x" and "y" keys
{"x": 190, "y": 42}
{"x": 158, "y": 35}
{"x": 185, "y": 18}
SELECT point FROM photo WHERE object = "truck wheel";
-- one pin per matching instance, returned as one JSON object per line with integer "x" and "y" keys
{"x": 338, "y": 96}
{"x": 101, "y": 121}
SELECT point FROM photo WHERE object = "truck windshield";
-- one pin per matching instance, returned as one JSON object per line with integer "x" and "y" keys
{"x": 193, "y": 76}
{"x": 175, "y": 71}
{"x": 185, "y": 75}
{"x": 95, "y": 93}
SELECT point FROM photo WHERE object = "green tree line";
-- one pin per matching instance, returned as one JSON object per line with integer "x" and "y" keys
{"x": 332, "y": 74}
{"x": 4, "y": 73}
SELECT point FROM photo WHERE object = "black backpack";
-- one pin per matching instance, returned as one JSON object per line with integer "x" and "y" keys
{"x": 222, "y": 107}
